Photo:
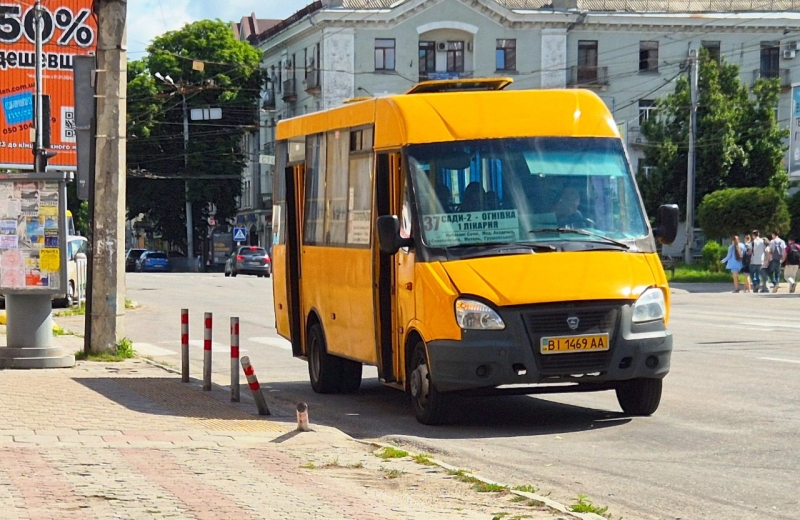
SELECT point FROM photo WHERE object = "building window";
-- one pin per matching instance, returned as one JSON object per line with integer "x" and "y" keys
{"x": 427, "y": 57}
{"x": 648, "y": 56}
{"x": 587, "y": 61}
{"x": 713, "y": 49}
{"x": 647, "y": 109}
{"x": 770, "y": 59}
{"x": 384, "y": 54}
{"x": 455, "y": 56}
{"x": 647, "y": 171}
{"x": 506, "y": 55}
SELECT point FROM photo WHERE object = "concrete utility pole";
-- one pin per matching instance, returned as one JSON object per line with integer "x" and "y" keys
{"x": 693, "y": 76}
{"x": 108, "y": 225}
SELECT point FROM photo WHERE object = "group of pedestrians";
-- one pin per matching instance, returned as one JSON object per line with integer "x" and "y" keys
{"x": 761, "y": 261}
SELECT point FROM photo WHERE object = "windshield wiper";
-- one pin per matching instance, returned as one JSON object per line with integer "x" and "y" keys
{"x": 493, "y": 248}
{"x": 582, "y": 232}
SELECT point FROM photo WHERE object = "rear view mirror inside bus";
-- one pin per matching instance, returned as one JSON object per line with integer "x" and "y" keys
{"x": 389, "y": 239}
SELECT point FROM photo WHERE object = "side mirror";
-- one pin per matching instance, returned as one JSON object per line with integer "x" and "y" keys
{"x": 389, "y": 239}
{"x": 666, "y": 223}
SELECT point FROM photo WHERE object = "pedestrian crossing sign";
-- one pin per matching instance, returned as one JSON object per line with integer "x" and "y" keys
{"x": 239, "y": 234}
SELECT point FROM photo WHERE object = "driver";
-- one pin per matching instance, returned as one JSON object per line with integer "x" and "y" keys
{"x": 566, "y": 209}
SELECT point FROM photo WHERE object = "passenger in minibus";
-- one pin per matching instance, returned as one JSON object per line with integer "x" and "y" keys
{"x": 473, "y": 198}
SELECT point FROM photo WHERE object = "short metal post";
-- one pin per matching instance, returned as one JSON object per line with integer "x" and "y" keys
{"x": 252, "y": 381}
{"x": 235, "y": 360}
{"x": 185, "y": 345}
{"x": 302, "y": 417}
{"x": 207, "y": 353}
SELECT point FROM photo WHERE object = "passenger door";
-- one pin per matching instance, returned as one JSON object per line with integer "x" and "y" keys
{"x": 394, "y": 276}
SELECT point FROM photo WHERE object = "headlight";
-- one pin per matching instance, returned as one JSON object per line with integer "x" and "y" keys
{"x": 650, "y": 306}
{"x": 477, "y": 316}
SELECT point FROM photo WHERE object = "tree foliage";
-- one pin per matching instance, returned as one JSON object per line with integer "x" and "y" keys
{"x": 208, "y": 67}
{"x": 794, "y": 211}
{"x": 733, "y": 211}
{"x": 738, "y": 143}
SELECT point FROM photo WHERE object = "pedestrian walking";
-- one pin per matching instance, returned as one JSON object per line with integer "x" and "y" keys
{"x": 777, "y": 256}
{"x": 733, "y": 261}
{"x": 746, "y": 259}
{"x": 792, "y": 263}
{"x": 757, "y": 259}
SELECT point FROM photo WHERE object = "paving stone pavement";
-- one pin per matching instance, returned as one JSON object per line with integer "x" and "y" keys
{"x": 130, "y": 441}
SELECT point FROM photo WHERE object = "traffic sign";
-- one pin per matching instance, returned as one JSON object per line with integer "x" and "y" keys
{"x": 239, "y": 234}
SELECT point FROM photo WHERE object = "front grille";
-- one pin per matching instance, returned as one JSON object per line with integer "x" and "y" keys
{"x": 552, "y": 320}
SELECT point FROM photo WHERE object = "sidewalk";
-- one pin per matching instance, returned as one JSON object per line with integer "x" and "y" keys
{"x": 129, "y": 440}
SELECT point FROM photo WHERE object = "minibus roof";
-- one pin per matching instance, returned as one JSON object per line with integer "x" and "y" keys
{"x": 444, "y": 116}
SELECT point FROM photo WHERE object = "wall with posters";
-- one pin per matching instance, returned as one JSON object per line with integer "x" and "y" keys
{"x": 69, "y": 29}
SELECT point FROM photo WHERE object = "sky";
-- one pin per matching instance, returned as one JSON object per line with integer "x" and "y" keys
{"x": 150, "y": 18}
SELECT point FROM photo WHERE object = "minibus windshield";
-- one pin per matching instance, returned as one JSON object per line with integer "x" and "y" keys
{"x": 525, "y": 191}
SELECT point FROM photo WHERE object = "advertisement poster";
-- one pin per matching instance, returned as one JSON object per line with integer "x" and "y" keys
{"x": 69, "y": 29}
{"x": 29, "y": 235}
{"x": 794, "y": 145}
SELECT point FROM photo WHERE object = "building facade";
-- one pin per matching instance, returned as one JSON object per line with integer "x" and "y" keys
{"x": 629, "y": 51}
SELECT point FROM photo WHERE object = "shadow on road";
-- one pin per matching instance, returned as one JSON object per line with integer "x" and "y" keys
{"x": 377, "y": 411}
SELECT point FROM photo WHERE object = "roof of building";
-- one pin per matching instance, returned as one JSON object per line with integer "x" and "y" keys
{"x": 250, "y": 26}
{"x": 669, "y": 6}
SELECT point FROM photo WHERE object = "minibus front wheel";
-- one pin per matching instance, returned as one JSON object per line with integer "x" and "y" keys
{"x": 430, "y": 405}
{"x": 639, "y": 396}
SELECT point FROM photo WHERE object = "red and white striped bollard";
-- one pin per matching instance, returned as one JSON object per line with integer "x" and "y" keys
{"x": 207, "y": 351}
{"x": 252, "y": 382}
{"x": 185, "y": 345}
{"x": 234, "y": 360}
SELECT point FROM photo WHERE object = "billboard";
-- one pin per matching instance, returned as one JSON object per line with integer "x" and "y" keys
{"x": 69, "y": 28}
{"x": 794, "y": 144}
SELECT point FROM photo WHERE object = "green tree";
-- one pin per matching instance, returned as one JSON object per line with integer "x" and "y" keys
{"x": 738, "y": 143}
{"x": 208, "y": 67}
{"x": 734, "y": 211}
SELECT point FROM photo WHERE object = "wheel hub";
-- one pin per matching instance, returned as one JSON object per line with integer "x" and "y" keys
{"x": 419, "y": 383}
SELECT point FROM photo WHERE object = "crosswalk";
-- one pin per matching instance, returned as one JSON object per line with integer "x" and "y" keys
{"x": 149, "y": 349}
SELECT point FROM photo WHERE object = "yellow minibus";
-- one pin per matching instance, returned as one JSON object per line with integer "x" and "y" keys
{"x": 465, "y": 238}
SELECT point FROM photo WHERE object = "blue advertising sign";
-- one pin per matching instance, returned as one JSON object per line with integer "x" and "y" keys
{"x": 794, "y": 144}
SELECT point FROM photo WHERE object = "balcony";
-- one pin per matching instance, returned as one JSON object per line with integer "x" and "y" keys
{"x": 268, "y": 100}
{"x": 290, "y": 90}
{"x": 435, "y": 75}
{"x": 635, "y": 136}
{"x": 783, "y": 74}
{"x": 583, "y": 76}
{"x": 313, "y": 83}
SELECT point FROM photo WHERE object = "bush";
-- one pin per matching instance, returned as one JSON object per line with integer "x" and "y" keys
{"x": 713, "y": 252}
{"x": 733, "y": 211}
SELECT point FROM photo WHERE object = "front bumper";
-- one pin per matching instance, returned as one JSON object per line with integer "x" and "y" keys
{"x": 489, "y": 359}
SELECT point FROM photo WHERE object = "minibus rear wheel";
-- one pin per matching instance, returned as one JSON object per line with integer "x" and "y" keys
{"x": 430, "y": 405}
{"x": 639, "y": 396}
{"x": 324, "y": 370}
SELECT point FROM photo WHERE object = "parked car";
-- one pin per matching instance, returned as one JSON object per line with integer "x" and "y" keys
{"x": 151, "y": 261}
{"x": 131, "y": 257}
{"x": 249, "y": 260}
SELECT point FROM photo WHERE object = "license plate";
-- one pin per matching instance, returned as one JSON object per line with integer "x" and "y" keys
{"x": 562, "y": 344}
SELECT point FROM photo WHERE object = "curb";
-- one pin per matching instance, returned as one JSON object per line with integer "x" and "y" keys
{"x": 552, "y": 504}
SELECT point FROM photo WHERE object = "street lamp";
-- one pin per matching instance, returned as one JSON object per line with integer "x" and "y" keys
{"x": 189, "y": 224}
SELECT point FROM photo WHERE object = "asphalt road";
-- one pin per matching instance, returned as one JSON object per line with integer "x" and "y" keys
{"x": 721, "y": 446}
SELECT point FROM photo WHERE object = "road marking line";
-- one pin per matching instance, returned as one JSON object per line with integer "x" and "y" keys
{"x": 272, "y": 342}
{"x": 215, "y": 346}
{"x": 779, "y": 359}
{"x": 148, "y": 349}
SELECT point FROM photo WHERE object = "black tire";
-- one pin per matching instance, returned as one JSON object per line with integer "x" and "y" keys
{"x": 430, "y": 405}
{"x": 639, "y": 396}
{"x": 351, "y": 376}
{"x": 324, "y": 370}
{"x": 67, "y": 301}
